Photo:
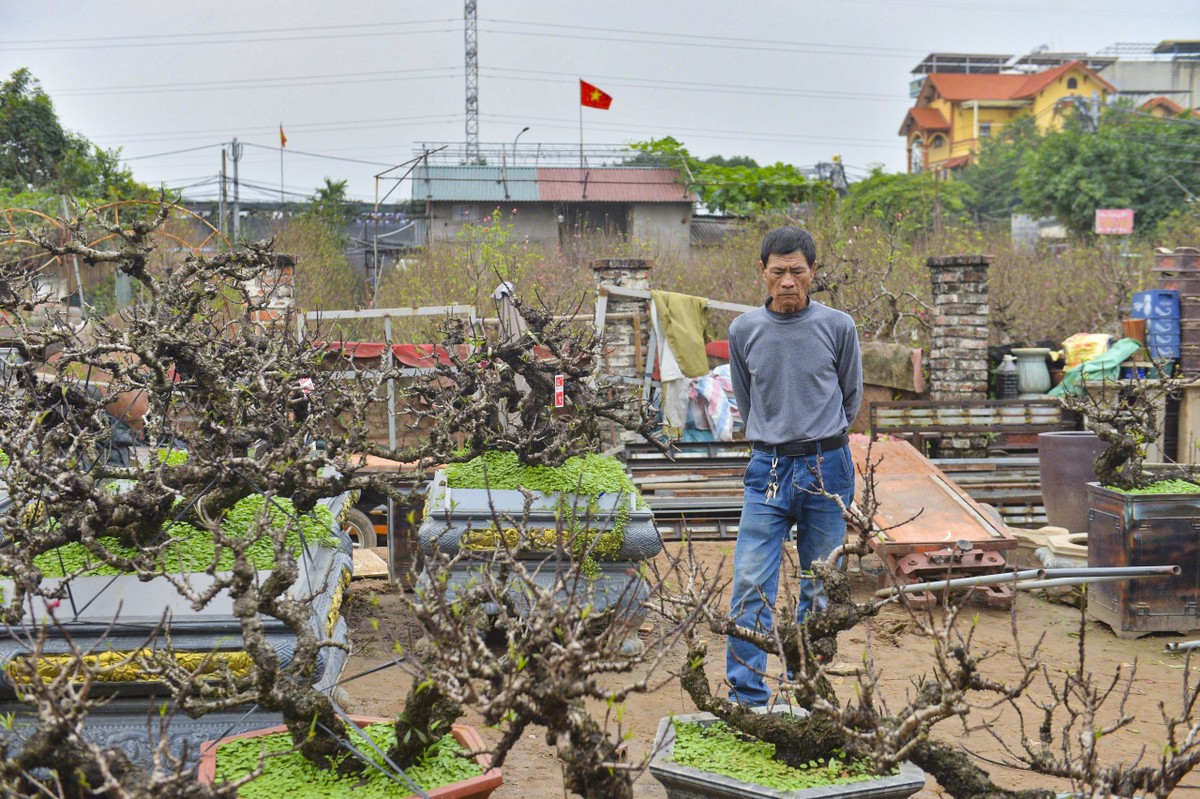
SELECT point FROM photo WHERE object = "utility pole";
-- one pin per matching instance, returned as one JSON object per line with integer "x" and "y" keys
{"x": 471, "y": 35}
{"x": 221, "y": 218}
{"x": 235, "y": 153}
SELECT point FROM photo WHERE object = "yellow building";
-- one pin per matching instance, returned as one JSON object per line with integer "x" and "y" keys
{"x": 955, "y": 111}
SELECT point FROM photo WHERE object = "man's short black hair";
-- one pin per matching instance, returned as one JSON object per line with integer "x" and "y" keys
{"x": 787, "y": 240}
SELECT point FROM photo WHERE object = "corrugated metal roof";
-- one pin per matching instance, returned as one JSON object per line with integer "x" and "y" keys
{"x": 612, "y": 184}
{"x": 475, "y": 183}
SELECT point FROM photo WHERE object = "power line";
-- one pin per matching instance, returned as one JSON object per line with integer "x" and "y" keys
{"x": 274, "y": 190}
{"x": 157, "y": 36}
{"x": 708, "y": 41}
{"x": 736, "y": 135}
{"x": 289, "y": 35}
{"x": 318, "y": 155}
{"x": 172, "y": 152}
{"x": 1009, "y": 11}
{"x": 314, "y": 127}
{"x": 1170, "y": 120}
{"x": 680, "y": 85}
{"x": 205, "y": 182}
{"x": 264, "y": 83}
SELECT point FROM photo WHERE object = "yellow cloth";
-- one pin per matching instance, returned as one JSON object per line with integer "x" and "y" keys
{"x": 684, "y": 319}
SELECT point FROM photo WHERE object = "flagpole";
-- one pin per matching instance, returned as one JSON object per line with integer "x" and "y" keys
{"x": 282, "y": 145}
{"x": 581, "y": 135}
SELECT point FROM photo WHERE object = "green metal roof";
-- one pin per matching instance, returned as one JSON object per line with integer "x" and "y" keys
{"x": 475, "y": 183}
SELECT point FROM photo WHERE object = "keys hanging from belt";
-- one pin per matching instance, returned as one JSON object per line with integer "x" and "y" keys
{"x": 773, "y": 486}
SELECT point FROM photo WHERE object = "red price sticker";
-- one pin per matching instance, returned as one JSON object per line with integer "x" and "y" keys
{"x": 559, "y": 396}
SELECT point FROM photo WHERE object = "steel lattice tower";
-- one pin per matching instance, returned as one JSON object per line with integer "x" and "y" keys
{"x": 472, "y": 50}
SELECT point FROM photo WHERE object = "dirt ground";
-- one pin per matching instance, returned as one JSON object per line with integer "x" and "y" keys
{"x": 532, "y": 770}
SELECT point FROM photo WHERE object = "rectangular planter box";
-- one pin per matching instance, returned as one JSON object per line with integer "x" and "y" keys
{"x": 451, "y": 512}
{"x": 94, "y": 603}
{"x": 1145, "y": 530}
{"x": 687, "y": 782}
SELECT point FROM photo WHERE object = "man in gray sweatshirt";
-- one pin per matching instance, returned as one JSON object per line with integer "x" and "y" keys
{"x": 797, "y": 375}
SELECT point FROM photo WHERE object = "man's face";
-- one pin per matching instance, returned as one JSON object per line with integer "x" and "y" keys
{"x": 788, "y": 278}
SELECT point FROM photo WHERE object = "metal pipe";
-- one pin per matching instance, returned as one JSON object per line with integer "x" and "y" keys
{"x": 1029, "y": 585}
{"x": 963, "y": 582}
{"x": 1058, "y": 577}
{"x": 1181, "y": 646}
{"x": 1113, "y": 571}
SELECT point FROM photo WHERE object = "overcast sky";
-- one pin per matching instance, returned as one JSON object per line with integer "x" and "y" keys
{"x": 785, "y": 81}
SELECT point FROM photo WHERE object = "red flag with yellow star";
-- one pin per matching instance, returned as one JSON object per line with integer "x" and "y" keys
{"x": 592, "y": 97}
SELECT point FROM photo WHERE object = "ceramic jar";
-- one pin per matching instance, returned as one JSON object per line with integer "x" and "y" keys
{"x": 1033, "y": 375}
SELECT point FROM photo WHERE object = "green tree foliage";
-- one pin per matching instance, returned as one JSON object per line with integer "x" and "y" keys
{"x": 736, "y": 160}
{"x": 324, "y": 279}
{"x": 40, "y": 159}
{"x": 1180, "y": 229}
{"x": 993, "y": 174}
{"x": 908, "y": 203}
{"x": 1131, "y": 161}
{"x": 329, "y": 204}
{"x": 736, "y": 185}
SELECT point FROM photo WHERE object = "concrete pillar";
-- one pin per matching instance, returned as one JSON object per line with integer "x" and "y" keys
{"x": 958, "y": 350}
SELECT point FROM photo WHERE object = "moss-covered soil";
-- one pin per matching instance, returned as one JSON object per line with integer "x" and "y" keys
{"x": 718, "y": 749}
{"x": 192, "y": 550}
{"x": 290, "y": 776}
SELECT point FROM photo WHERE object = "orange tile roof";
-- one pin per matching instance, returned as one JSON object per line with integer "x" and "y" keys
{"x": 957, "y": 87}
{"x": 927, "y": 119}
{"x": 953, "y": 162}
{"x": 1165, "y": 103}
{"x": 1041, "y": 80}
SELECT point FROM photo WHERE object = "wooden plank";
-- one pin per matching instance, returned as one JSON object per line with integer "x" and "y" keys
{"x": 716, "y": 305}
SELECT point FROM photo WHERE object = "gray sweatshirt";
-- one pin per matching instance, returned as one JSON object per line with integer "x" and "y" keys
{"x": 797, "y": 376}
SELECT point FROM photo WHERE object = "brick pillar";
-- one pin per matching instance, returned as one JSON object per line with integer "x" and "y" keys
{"x": 621, "y": 334}
{"x": 626, "y": 326}
{"x": 958, "y": 350}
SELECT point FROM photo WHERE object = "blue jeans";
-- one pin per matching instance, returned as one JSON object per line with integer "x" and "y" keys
{"x": 762, "y": 530}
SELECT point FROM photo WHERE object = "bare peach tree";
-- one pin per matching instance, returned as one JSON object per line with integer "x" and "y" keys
{"x": 550, "y": 653}
{"x": 205, "y": 356}
{"x": 1063, "y": 724}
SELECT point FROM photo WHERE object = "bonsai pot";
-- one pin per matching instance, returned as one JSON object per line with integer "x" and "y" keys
{"x": 688, "y": 782}
{"x": 95, "y": 601}
{"x": 452, "y": 513}
{"x": 479, "y": 787}
{"x": 1145, "y": 530}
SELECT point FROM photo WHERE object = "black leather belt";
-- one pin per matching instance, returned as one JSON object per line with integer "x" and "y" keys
{"x": 799, "y": 449}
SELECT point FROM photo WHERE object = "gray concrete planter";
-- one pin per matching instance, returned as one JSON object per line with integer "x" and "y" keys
{"x": 687, "y": 782}
{"x": 117, "y": 613}
{"x": 452, "y": 512}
